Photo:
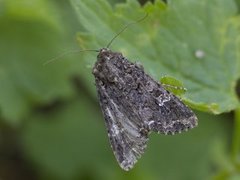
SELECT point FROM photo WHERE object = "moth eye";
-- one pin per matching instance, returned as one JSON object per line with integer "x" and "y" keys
{"x": 106, "y": 56}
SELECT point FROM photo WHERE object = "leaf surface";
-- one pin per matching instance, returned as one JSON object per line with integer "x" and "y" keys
{"x": 195, "y": 41}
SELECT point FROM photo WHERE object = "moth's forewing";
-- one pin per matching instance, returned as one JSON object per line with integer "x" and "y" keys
{"x": 125, "y": 129}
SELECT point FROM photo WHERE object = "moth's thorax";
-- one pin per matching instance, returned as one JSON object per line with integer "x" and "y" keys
{"x": 108, "y": 64}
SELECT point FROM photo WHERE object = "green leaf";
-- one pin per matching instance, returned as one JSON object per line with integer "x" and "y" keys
{"x": 31, "y": 10}
{"x": 195, "y": 41}
{"x": 30, "y": 35}
{"x": 63, "y": 143}
{"x": 168, "y": 154}
{"x": 238, "y": 3}
{"x": 173, "y": 85}
{"x": 72, "y": 142}
{"x": 235, "y": 176}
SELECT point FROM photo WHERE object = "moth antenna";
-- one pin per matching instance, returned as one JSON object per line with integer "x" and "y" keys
{"x": 66, "y": 53}
{"x": 108, "y": 45}
{"x": 125, "y": 27}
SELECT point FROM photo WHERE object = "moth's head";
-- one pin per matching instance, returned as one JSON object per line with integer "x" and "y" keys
{"x": 104, "y": 53}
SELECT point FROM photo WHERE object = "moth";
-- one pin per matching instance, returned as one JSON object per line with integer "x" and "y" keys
{"x": 133, "y": 105}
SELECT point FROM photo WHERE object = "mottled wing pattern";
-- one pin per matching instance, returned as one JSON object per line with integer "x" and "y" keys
{"x": 133, "y": 105}
{"x": 166, "y": 113}
{"x": 126, "y": 138}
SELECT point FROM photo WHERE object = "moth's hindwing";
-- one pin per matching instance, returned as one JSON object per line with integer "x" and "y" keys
{"x": 134, "y": 104}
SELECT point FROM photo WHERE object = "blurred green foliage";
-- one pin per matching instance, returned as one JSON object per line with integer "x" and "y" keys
{"x": 51, "y": 126}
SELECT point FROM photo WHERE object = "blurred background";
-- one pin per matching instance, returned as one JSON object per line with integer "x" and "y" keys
{"x": 51, "y": 126}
